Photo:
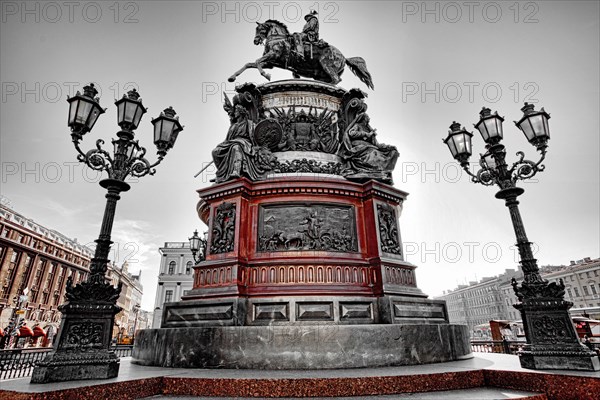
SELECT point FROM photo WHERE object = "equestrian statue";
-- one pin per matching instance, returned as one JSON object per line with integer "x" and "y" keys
{"x": 302, "y": 53}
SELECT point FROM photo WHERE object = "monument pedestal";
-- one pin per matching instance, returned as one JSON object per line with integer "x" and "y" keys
{"x": 304, "y": 267}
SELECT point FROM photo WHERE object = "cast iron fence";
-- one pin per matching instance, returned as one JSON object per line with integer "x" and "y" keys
{"x": 496, "y": 346}
{"x": 508, "y": 346}
{"x": 19, "y": 363}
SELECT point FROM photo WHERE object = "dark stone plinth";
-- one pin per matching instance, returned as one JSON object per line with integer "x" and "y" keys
{"x": 58, "y": 367}
{"x": 552, "y": 342}
{"x": 581, "y": 360}
{"x": 82, "y": 349}
{"x": 301, "y": 347}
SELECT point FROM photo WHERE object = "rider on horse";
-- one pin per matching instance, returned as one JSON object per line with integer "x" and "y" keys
{"x": 310, "y": 33}
{"x": 326, "y": 62}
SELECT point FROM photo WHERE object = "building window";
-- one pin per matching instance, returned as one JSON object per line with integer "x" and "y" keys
{"x": 168, "y": 296}
{"x": 576, "y": 290}
{"x": 55, "y": 298}
{"x": 570, "y": 294}
{"x": 188, "y": 268}
{"x": 171, "y": 268}
{"x": 61, "y": 277}
{"x": 50, "y": 276}
{"x": 10, "y": 276}
{"x": 26, "y": 274}
{"x": 586, "y": 291}
{"x": 593, "y": 288}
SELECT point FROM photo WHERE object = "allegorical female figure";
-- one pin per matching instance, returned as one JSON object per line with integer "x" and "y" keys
{"x": 364, "y": 158}
{"x": 237, "y": 155}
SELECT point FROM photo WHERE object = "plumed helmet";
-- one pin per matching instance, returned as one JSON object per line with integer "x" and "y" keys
{"x": 312, "y": 14}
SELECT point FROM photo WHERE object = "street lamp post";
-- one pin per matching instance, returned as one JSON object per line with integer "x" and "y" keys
{"x": 552, "y": 341}
{"x": 82, "y": 350}
{"x": 136, "y": 310}
{"x": 198, "y": 245}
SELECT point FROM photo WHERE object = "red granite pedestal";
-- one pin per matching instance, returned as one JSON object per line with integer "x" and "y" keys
{"x": 351, "y": 271}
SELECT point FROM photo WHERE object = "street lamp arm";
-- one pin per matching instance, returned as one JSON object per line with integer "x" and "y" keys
{"x": 485, "y": 175}
{"x": 468, "y": 171}
{"x": 76, "y": 144}
{"x": 160, "y": 158}
{"x": 525, "y": 169}
{"x": 97, "y": 159}
{"x": 140, "y": 166}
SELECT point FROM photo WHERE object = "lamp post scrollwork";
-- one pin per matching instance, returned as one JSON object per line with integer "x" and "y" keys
{"x": 541, "y": 304}
{"x": 82, "y": 350}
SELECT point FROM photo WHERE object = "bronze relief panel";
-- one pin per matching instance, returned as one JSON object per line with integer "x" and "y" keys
{"x": 307, "y": 227}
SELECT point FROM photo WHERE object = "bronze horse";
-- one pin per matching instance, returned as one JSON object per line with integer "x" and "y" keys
{"x": 323, "y": 62}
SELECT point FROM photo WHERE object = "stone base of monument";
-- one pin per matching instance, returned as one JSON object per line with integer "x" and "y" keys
{"x": 301, "y": 346}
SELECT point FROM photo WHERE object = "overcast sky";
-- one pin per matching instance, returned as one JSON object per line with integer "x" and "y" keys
{"x": 432, "y": 63}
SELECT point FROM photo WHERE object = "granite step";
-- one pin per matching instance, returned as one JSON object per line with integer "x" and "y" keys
{"x": 480, "y": 393}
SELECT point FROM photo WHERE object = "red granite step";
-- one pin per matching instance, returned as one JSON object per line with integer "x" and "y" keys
{"x": 460, "y": 379}
{"x": 485, "y": 393}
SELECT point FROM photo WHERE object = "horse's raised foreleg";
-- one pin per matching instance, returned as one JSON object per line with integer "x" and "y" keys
{"x": 262, "y": 72}
{"x": 257, "y": 64}
{"x": 238, "y": 72}
{"x": 261, "y": 61}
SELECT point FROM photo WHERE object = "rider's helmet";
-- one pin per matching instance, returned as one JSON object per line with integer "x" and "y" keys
{"x": 312, "y": 14}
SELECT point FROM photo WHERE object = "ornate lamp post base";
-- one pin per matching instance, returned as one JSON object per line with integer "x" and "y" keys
{"x": 552, "y": 339}
{"x": 82, "y": 349}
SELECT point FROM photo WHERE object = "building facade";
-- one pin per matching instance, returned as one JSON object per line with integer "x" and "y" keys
{"x": 581, "y": 279}
{"x": 480, "y": 302}
{"x": 36, "y": 260}
{"x": 493, "y": 298}
{"x": 129, "y": 300}
{"x": 176, "y": 276}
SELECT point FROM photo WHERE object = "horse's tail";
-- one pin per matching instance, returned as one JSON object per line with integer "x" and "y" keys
{"x": 358, "y": 66}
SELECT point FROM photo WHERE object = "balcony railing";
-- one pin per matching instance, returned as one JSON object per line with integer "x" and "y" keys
{"x": 19, "y": 363}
